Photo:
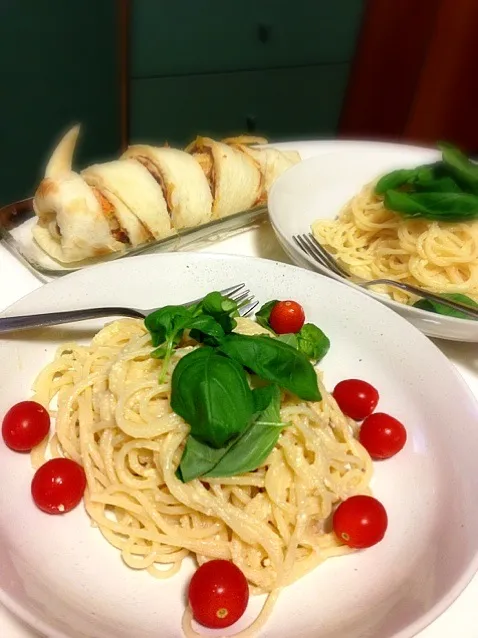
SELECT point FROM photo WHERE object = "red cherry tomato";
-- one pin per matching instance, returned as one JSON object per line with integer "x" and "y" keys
{"x": 360, "y": 521}
{"x": 357, "y": 399}
{"x": 287, "y": 317}
{"x": 218, "y": 594}
{"x": 25, "y": 425}
{"x": 382, "y": 435}
{"x": 58, "y": 486}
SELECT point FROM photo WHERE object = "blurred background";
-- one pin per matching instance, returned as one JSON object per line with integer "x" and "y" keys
{"x": 156, "y": 71}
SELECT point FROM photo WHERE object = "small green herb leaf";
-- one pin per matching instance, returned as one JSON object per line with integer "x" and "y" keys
{"x": 198, "y": 459}
{"x": 274, "y": 361}
{"x": 253, "y": 447}
{"x": 463, "y": 169}
{"x": 451, "y": 207}
{"x": 220, "y": 308}
{"x": 433, "y": 306}
{"x": 264, "y": 313}
{"x": 212, "y": 394}
{"x": 165, "y": 323}
{"x": 313, "y": 342}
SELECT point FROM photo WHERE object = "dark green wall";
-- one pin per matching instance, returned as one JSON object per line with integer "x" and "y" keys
{"x": 279, "y": 67}
{"x": 58, "y": 66}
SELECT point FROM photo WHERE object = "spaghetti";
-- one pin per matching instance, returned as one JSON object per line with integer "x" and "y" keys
{"x": 373, "y": 242}
{"x": 114, "y": 418}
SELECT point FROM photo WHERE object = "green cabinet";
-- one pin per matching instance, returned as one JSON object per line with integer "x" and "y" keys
{"x": 218, "y": 67}
{"x": 58, "y": 66}
{"x": 278, "y": 103}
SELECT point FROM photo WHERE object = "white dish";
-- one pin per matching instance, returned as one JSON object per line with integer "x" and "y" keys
{"x": 318, "y": 187}
{"x": 61, "y": 576}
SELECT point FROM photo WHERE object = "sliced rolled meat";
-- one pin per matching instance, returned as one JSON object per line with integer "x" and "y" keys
{"x": 272, "y": 161}
{"x": 131, "y": 184}
{"x": 184, "y": 185}
{"x": 234, "y": 177}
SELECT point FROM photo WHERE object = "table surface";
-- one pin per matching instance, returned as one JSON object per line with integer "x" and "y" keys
{"x": 461, "y": 619}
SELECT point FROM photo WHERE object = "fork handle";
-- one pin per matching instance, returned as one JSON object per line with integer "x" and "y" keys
{"x": 9, "y": 324}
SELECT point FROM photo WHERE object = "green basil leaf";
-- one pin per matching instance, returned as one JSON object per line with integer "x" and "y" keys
{"x": 395, "y": 179}
{"x": 264, "y": 313}
{"x": 433, "y": 306}
{"x": 438, "y": 185}
{"x": 462, "y": 168}
{"x": 212, "y": 394}
{"x": 205, "y": 329}
{"x": 313, "y": 342}
{"x": 197, "y": 459}
{"x": 452, "y": 207}
{"x": 253, "y": 447}
{"x": 166, "y": 322}
{"x": 274, "y": 361}
{"x": 222, "y": 309}
{"x": 289, "y": 338}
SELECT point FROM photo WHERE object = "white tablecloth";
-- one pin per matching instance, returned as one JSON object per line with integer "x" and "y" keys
{"x": 461, "y": 619}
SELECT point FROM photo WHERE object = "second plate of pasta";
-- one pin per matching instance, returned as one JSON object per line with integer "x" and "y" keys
{"x": 334, "y": 196}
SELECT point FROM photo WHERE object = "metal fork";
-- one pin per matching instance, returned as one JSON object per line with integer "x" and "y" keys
{"x": 7, "y": 324}
{"x": 311, "y": 247}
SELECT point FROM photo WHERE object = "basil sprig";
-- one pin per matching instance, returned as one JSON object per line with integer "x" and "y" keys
{"x": 438, "y": 308}
{"x": 208, "y": 321}
{"x": 233, "y": 427}
{"x": 445, "y": 191}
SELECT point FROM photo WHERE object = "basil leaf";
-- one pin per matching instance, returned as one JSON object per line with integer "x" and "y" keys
{"x": 458, "y": 164}
{"x": 253, "y": 447}
{"x": 452, "y": 207}
{"x": 264, "y": 313}
{"x": 212, "y": 394}
{"x": 220, "y": 308}
{"x": 197, "y": 459}
{"x": 313, "y": 342}
{"x": 433, "y": 306}
{"x": 395, "y": 179}
{"x": 274, "y": 361}
{"x": 205, "y": 329}
{"x": 289, "y": 338}
{"x": 166, "y": 323}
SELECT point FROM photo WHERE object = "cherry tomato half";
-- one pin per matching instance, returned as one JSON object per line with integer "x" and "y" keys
{"x": 360, "y": 521}
{"x": 357, "y": 399}
{"x": 287, "y": 317}
{"x": 218, "y": 594}
{"x": 58, "y": 486}
{"x": 25, "y": 425}
{"x": 382, "y": 435}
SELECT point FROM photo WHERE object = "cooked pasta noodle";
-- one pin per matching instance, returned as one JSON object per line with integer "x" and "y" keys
{"x": 373, "y": 242}
{"x": 114, "y": 418}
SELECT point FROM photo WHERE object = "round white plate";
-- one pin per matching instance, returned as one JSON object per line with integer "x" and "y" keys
{"x": 318, "y": 187}
{"x": 62, "y": 577}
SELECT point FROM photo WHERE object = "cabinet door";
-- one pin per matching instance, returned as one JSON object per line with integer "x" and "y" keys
{"x": 197, "y": 36}
{"x": 58, "y": 66}
{"x": 279, "y": 103}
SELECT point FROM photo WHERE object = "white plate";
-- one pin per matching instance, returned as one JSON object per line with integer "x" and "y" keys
{"x": 318, "y": 187}
{"x": 61, "y": 576}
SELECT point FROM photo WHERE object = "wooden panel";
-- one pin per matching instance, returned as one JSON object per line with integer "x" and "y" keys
{"x": 386, "y": 71}
{"x": 282, "y": 103}
{"x": 58, "y": 65}
{"x": 446, "y": 102}
{"x": 188, "y": 36}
